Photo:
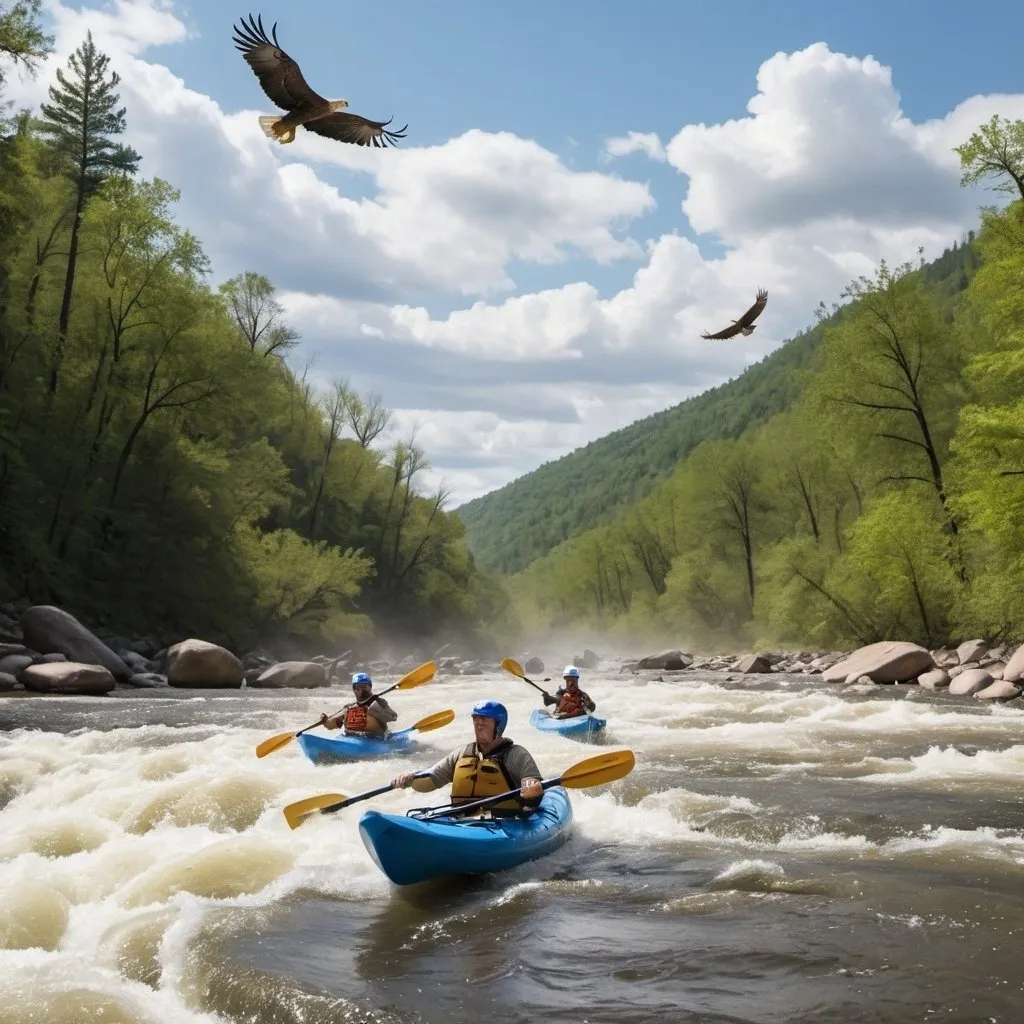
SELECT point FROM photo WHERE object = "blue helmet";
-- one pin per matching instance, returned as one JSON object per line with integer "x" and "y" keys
{"x": 571, "y": 671}
{"x": 492, "y": 709}
{"x": 361, "y": 677}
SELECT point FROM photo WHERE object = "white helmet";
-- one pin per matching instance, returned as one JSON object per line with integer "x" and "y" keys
{"x": 571, "y": 670}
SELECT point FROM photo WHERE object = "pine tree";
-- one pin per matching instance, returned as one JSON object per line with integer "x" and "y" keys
{"x": 81, "y": 123}
{"x": 22, "y": 40}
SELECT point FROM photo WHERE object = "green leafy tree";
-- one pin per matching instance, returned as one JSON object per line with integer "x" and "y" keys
{"x": 258, "y": 314}
{"x": 995, "y": 151}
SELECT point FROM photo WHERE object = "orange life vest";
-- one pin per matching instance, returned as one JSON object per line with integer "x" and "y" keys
{"x": 355, "y": 718}
{"x": 571, "y": 704}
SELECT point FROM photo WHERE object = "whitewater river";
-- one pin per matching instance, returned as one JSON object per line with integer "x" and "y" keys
{"x": 784, "y": 851}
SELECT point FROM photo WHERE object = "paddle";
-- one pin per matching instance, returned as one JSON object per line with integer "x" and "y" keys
{"x": 417, "y": 677}
{"x": 428, "y": 724}
{"x": 512, "y": 666}
{"x": 594, "y": 771}
{"x": 329, "y": 802}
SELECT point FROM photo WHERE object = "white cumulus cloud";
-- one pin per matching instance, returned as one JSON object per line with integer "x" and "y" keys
{"x": 409, "y": 284}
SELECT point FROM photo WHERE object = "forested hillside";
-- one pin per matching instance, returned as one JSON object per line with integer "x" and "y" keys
{"x": 886, "y": 501}
{"x": 511, "y": 527}
{"x": 163, "y": 463}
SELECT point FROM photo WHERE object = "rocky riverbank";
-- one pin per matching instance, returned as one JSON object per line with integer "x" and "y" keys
{"x": 973, "y": 669}
{"x": 46, "y": 650}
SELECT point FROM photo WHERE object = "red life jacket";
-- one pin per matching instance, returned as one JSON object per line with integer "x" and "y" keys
{"x": 355, "y": 718}
{"x": 571, "y": 704}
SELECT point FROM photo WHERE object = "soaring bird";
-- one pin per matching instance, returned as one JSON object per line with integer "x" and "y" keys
{"x": 281, "y": 79}
{"x": 745, "y": 324}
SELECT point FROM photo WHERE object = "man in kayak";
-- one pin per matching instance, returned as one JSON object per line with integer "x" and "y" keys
{"x": 367, "y": 715}
{"x": 571, "y": 700}
{"x": 491, "y": 765}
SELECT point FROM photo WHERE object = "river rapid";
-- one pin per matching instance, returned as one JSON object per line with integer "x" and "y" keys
{"x": 784, "y": 851}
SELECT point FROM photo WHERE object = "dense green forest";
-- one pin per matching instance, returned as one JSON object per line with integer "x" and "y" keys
{"x": 885, "y": 500}
{"x": 511, "y": 527}
{"x": 164, "y": 466}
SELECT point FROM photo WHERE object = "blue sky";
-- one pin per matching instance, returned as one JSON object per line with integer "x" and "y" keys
{"x": 511, "y": 287}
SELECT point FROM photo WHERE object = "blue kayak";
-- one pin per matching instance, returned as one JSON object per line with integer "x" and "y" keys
{"x": 580, "y": 727}
{"x": 327, "y": 749}
{"x": 408, "y": 850}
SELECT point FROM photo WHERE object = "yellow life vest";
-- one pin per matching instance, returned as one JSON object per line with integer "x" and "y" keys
{"x": 477, "y": 777}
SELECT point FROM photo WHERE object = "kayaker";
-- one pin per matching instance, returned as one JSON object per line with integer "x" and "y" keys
{"x": 367, "y": 715}
{"x": 571, "y": 700}
{"x": 491, "y": 765}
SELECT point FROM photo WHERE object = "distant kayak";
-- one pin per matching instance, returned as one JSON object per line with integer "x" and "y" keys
{"x": 408, "y": 850}
{"x": 580, "y": 727}
{"x": 330, "y": 749}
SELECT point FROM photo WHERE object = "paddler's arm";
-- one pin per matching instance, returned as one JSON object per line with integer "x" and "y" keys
{"x": 330, "y": 723}
{"x": 382, "y": 711}
{"x": 588, "y": 702}
{"x": 520, "y": 764}
{"x": 440, "y": 775}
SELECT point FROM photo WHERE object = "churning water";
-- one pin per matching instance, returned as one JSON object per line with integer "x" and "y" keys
{"x": 784, "y": 851}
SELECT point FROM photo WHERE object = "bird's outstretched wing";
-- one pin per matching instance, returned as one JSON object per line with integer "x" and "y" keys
{"x": 755, "y": 310}
{"x": 360, "y": 131}
{"x": 278, "y": 74}
{"x": 744, "y": 321}
{"x": 727, "y": 332}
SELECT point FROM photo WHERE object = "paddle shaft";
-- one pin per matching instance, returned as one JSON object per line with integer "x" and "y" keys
{"x": 331, "y": 808}
{"x": 366, "y": 700}
{"x": 444, "y": 812}
{"x": 535, "y": 686}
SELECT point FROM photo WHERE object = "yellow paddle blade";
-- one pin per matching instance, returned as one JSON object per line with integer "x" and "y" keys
{"x": 436, "y": 721}
{"x": 418, "y": 676}
{"x": 282, "y": 739}
{"x": 596, "y": 771}
{"x": 296, "y": 812}
{"x": 513, "y": 666}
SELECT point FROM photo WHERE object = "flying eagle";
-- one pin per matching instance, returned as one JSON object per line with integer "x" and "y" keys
{"x": 745, "y": 324}
{"x": 281, "y": 79}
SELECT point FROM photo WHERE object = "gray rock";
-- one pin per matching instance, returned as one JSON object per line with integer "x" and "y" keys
{"x": 51, "y": 630}
{"x": 148, "y": 679}
{"x": 304, "y": 675}
{"x": 68, "y": 678}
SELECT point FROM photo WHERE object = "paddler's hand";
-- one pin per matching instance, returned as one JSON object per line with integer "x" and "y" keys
{"x": 401, "y": 781}
{"x": 531, "y": 789}
{"x": 325, "y": 721}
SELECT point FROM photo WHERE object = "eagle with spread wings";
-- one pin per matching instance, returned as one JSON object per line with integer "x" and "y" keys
{"x": 745, "y": 324}
{"x": 281, "y": 79}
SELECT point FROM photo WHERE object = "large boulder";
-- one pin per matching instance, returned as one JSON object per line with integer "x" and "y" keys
{"x": 667, "y": 660}
{"x": 68, "y": 677}
{"x": 970, "y": 681}
{"x": 1015, "y": 666}
{"x": 933, "y": 679}
{"x": 302, "y": 675}
{"x": 532, "y": 665}
{"x": 888, "y": 661}
{"x": 51, "y": 630}
{"x": 753, "y": 663}
{"x": 971, "y": 651}
{"x": 998, "y": 690}
{"x": 202, "y": 664}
